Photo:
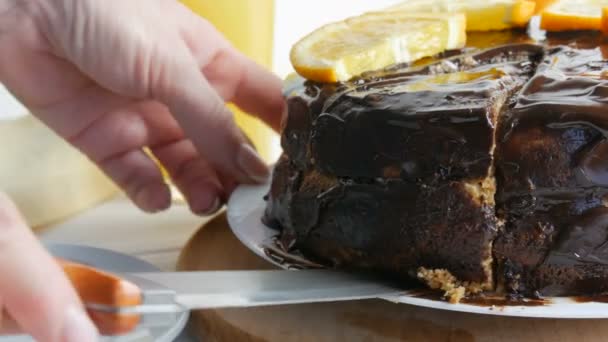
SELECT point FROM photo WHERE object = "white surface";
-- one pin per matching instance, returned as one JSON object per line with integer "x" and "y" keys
{"x": 245, "y": 210}
{"x": 10, "y": 108}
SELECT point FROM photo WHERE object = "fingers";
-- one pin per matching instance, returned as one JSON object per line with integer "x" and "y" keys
{"x": 115, "y": 141}
{"x": 240, "y": 80}
{"x": 235, "y": 77}
{"x": 149, "y": 124}
{"x": 139, "y": 176}
{"x": 193, "y": 176}
{"x": 205, "y": 119}
{"x": 132, "y": 127}
{"x": 34, "y": 289}
{"x": 158, "y": 63}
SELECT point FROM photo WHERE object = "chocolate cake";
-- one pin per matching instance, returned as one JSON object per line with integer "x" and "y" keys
{"x": 483, "y": 169}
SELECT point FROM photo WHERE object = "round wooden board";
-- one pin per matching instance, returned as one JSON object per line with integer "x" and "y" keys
{"x": 214, "y": 247}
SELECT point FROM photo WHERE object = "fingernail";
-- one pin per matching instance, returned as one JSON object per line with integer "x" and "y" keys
{"x": 77, "y": 327}
{"x": 209, "y": 209}
{"x": 154, "y": 197}
{"x": 252, "y": 164}
{"x": 204, "y": 200}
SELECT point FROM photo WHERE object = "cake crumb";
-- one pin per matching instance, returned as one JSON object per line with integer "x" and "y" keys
{"x": 482, "y": 191}
{"x": 454, "y": 290}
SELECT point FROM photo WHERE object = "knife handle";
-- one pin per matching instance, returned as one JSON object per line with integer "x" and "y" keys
{"x": 102, "y": 288}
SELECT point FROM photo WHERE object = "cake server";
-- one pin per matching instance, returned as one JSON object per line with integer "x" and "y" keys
{"x": 117, "y": 302}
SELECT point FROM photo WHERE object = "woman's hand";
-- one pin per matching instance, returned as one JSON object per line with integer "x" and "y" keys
{"x": 113, "y": 77}
{"x": 34, "y": 291}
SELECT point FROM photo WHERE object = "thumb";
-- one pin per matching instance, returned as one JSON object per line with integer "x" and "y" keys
{"x": 35, "y": 291}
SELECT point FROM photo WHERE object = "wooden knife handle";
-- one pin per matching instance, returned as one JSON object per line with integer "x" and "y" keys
{"x": 102, "y": 288}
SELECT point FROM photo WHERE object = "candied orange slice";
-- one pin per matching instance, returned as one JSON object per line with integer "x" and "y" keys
{"x": 572, "y": 15}
{"x": 482, "y": 15}
{"x": 340, "y": 50}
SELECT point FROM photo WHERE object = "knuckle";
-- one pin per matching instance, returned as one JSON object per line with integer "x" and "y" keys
{"x": 143, "y": 71}
{"x": 130, "y": 130}
{"x": 121, "y": 168}
{"x": 218, "y": 112}
{"x": 194, "y": 170}
{"x": 219, "y": 117}
{"x": 230, "y": 132}
{"x": 126, "y": 127}
{"x": 163, "y": 69}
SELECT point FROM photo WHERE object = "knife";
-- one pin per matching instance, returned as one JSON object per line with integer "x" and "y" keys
{"x": 117, "y": 302}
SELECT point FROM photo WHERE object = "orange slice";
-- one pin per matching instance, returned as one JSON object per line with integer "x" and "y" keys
{"x": 482, "y": 15}
{"x": 340, "y": 50}
{"x": 542, "y": 4}
{"x": 604, "y": 25}
{"x": 571, "y": 15}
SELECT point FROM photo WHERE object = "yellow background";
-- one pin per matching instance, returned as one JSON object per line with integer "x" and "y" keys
{"x": 248, "y": 25}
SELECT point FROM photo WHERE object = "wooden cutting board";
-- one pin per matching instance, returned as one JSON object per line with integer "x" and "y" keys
{"x": 214, "y": 247}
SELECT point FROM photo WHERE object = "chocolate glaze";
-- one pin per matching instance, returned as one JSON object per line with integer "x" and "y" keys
{"x": 421, "y": 123}
{"x": 393, "y": 170}
{"x": 552, "y": 173}
{"x": 537, "y": 237}
{"x": 565, "y": 103}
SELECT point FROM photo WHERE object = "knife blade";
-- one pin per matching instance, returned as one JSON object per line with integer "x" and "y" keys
{"x": 117, "y": 302}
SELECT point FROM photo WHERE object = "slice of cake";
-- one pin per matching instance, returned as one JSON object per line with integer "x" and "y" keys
{"x": 393, "y": 172}
{"x": 553, "y": 179}
{"x": 481, "y": 169}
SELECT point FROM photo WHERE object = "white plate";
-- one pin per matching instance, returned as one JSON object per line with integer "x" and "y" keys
{"x": 246, "y": 207}
{"x": 117, "y": 262}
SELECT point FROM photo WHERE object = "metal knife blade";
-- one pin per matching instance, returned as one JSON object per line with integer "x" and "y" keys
{"x": 223, "y": 289}
{"x": 120, "y": 302}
